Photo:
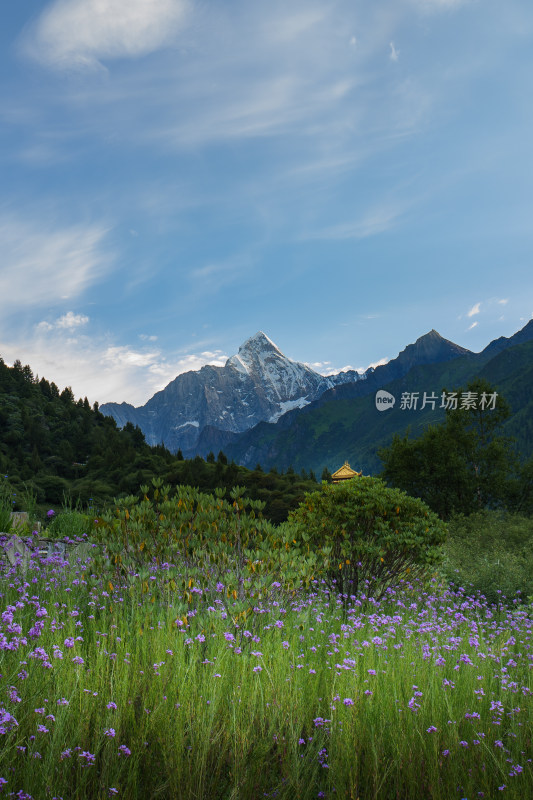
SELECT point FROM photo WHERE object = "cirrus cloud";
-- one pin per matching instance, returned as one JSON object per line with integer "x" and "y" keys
{"x": 41, "y": 264}
{"x": 79, "y": 33}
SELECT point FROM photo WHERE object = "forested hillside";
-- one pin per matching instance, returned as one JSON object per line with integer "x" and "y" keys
{"x": 54, "y": 446}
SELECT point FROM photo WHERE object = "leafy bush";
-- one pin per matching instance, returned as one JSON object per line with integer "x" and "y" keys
{"x": 361, "y": 530}
{"x": 201, "y": 541}
{"x": 492, "y": 552}
{"x": 68, "y": 523}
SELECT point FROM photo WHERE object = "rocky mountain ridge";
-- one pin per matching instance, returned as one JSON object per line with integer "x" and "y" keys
{"x": 343, "y": 423}
{"x": 202, "y": 410}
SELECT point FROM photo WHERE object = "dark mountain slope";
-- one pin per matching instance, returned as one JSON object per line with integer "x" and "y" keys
{"x": 345, "y": 423}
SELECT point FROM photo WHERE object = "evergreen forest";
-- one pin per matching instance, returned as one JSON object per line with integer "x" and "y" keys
{"x": 56, "y": 450}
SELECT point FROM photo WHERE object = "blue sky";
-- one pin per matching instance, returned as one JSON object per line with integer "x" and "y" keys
{"x": 344, "y": 175}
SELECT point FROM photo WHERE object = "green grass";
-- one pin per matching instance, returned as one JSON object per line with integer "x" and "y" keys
{"x": 204, "y": 724}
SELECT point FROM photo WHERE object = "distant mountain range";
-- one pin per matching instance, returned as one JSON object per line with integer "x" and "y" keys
{"x": 219, "y": 407}
{"x": 345, "y": 424}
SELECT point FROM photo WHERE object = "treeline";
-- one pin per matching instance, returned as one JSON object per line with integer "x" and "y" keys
{"x": 466, "y": 464}
{"x": 53, "y": 447}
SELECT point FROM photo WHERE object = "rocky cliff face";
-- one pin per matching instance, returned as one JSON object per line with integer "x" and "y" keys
{"x": 263, "y": 444}
{"x": 257, "y": 384}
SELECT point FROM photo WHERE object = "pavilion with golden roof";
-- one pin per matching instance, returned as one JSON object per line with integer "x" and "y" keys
{"x": 344, "y": 473}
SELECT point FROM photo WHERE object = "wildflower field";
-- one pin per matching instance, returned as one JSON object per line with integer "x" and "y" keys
{"x": 122, "y": 683}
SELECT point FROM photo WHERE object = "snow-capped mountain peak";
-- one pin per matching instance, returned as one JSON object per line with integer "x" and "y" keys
{"x": 253, "y": 353}
{"x": 198, "y": 410}
{"x": 256, "y": 384}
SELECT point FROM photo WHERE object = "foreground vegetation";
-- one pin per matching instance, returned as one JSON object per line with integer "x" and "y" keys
{"x": 205, "y": 653}
{"x": 108, "y": 692}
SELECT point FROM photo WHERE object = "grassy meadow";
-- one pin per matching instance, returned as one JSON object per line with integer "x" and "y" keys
{"x": 112, "y": 686}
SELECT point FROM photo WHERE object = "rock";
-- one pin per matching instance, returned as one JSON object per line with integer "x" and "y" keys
{"x": 82, "y": 551}
{"x": 16, "y": 550}
{"x": 19, "y": 518}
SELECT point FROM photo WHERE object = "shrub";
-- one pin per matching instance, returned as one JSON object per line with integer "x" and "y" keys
{"x": 491, "y": 552}
{"x": 203, "y": 541}
{"x": 361, "y": 530}
{"x": 68, "y": 523}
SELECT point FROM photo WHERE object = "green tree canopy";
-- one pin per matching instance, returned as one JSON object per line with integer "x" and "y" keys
{"x": 462, "y": 465}
{"x": 361, "y": 530}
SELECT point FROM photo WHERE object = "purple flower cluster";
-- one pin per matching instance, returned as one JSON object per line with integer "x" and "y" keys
{"x": 463, "y": 654}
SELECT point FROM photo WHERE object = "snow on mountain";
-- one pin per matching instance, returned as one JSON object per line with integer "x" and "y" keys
{"x": 200, "y": 410}
{"x": 257, "y": 384}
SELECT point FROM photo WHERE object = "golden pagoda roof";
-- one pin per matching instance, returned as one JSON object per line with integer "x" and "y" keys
{"x": 344, "y": 473}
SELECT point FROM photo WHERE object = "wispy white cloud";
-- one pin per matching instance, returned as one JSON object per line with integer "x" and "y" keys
{"x": 99, "y": 370}
{"x": 439, "y": 5}
{"x": 473, "y": 325}
{"x": 43, "y": 264}
{"x": 124, "y": 356}
{"x": 152, "y": 368}
{"x": 318, "y": 365}
{"x": 241, "y": 71}
{"x": 296, "y": 23}
{"x": 371, "y": 223}
{"x": 394, "y": 53}
{"x": 474, "y": 310}
{"x": 379, "y": 363}
{"x": 504, "y": 301}
{"x": 80, "y": 33}
{"x": 214, "y": 275}
{"x": 325, "y": 368}
{"x": 327, "y": 371}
